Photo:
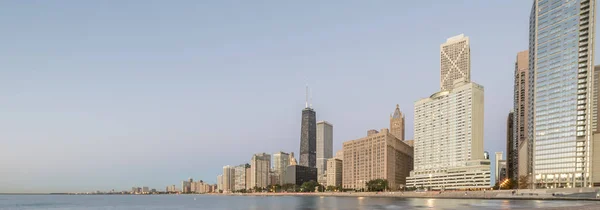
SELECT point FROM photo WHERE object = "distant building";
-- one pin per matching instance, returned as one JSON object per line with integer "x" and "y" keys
{"x": 260, "y": 166}
{"x": 334, "y": 172}
{"x": 511, "y": 149}
{"x": 324, "y": 148}
{"x": 186, "y": 186}
{"x": 297, "y": 174}
{"x": 220, "y": 182}
{"x": 397, "y": 123}
{"x": 240, "y": 177}
{"x": 497, "y": 165}
{"x": 379, "y": 155}
{"x": 308, "y": 136}
{"x": 228, "y": 179}
{"x": 521, "y": 146}
{"x": 145, "y": 190}
{"x": 280, "y": 162}
{"x": 502, "y": 171}
{"x": 410, "y": 142}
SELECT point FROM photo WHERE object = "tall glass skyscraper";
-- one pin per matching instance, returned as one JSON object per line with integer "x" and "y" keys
{"x": 561, "y": 78}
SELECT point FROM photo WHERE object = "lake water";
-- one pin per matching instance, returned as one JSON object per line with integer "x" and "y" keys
{"x": 96, "y": 202}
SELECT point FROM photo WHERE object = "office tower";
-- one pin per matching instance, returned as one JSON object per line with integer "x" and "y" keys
{"x": 377, "y": 156}
{"x": 521, "y": 146}
{"x": 455, "y": 60}
{"x": 511, "y": 151}
{"x": 324, "y": 148}
{"x": 397, "y": 123}
{"x": 228, "y": 179}
{"x": 334, "y": 172}
{"x": 260, "y": 166}
{"x": 448, "y": 140}
{"x": 281, "y": 161}
{"x": 220, "y": 182}
{"x": 240, "y": 177}
{"x": 308, "y": 136}
{"x": 561, "y": 52}
{"x": 497, "y": 165}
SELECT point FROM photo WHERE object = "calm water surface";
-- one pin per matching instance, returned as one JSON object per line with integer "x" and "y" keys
{"x": 96, "y": 202}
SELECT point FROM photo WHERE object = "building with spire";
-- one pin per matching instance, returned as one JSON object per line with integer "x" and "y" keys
{"x": 397, "y": 123}
{"x": 308, "y": 136}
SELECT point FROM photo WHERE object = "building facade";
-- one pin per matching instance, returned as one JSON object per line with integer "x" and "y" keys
{"x": 377, "y": 156}
{"x": 497, "y": 167}
{"x": 298, "y": 174}
{"x": 561, "y": 87}
{"x": 220, "y": 182}
{"x": 240, "y": 177}
{"x": 448, "y": 140}
{"x": 397, "y": 123}
{"x": 334, "y": 172}
{"x": 308, "y": 138}
{"x": 511, "y": 149}
{"x": 455, "y": 60}
{"x": 324, "y": 149}
{"x": 520, "y": 147}
{"x": 281, "y": 161}
{"x": 260, "y": 167}
{"x": 228, "y": 179}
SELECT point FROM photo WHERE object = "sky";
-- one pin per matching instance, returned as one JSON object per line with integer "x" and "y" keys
{"x": 102, "y": 95}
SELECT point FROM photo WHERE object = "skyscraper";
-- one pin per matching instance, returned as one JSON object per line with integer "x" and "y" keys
{"x": 561, "y": 51}
{"x": 240, "y": 177}
{"x": 455, "y": 61}
{"x": 260, "y": 166}
{"x": 511, "y": 152}
{"x": 324, "y": 148}
{"x": 397, "y": 123}
{"x": 596, "y": 114}
{"x": 521, "y": 145}
{"x": 448, "y": 141}
{"x": 308, "y": 136}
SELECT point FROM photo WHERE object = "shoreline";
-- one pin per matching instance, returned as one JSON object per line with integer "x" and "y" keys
{"x": 436, "y": 195}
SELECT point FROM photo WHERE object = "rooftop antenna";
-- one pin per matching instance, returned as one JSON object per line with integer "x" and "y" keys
{"x": 306, "y": 97}
{"x": 310, "y": 94}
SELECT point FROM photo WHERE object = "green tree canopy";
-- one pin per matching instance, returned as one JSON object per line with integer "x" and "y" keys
{"x": 377, "y": 185}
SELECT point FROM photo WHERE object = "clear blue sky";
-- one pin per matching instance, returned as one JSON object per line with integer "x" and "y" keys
{"x": 100, "y": 95}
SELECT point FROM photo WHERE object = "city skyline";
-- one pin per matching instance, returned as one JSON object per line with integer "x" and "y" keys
{"x": 90, "y": 96}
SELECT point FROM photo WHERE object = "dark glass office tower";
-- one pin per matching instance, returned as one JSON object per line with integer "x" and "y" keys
{"x": 308, "y": 138}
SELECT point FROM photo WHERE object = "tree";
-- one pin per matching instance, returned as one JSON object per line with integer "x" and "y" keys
{"x": 377, "y": 185}
{"x": 309, "y": 186}
{"x": 524, "y": 182}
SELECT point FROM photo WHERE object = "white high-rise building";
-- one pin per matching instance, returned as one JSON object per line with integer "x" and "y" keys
{"x": 324, "y": 149}
{"x": 220, "y": 182}
{"x": 455, "y": 61}
{"x": 448, "y": 144}
{"x": 281, "y": 161}
{"x": 260, "y": 165}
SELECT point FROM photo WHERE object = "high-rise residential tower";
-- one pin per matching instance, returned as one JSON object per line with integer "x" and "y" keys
{"x": 228, "y": 179}
{"x": 281, "y": 161}
{"x": 308, "y": 136}
{"x": 596, "y": 113}
{"x": 561, "y": 55}
{"x": 448, "y": 137}
{"x": 455, "y": 60}
{"x": 240, "y": 177}
{"x": 397, "y": 123}
{"x": 324, "y": 149}
{"x": 521, "y": 146}
{"x": 260, "y": 167}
